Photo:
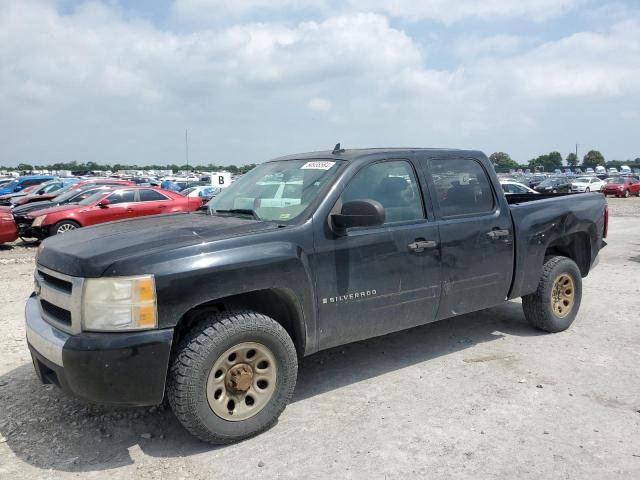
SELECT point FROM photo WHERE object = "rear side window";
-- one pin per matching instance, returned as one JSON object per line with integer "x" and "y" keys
{"x": 393, "y": 184}
{"x": 28, "y": 183}
{"x": 122, "y": 197}
{"x": 151, "y": 196}
{"x": 462, "y": 187}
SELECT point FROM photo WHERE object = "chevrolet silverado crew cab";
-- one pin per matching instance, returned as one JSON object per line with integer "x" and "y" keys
{"x": 214, "y": 309}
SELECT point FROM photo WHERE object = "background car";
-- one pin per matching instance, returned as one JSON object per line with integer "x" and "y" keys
{"x": 510, "y": 187}
{"x": 8, "y": 231}
{"x": 101, "y": 207}
{"x": 554, "y": 185}
{"x": 206, "y": 192}
{"x": 44, "y": 191}
{"x": 22, "y": 182}
{"x": 587, "y": 184}
{"x": 23, "y": 221}
{"x": 622, "y": 186}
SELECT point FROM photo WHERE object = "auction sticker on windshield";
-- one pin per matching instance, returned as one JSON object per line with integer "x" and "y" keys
{"x": 317, "y": 165}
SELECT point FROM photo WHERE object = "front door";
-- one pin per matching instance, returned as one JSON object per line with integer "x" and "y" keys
{"x": 476, "y": 234}
{"x": 375, "y": 280}
{"x": 120, "y": 206}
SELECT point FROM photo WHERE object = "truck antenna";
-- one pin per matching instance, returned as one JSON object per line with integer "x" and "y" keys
{"x": 337, "y": 150}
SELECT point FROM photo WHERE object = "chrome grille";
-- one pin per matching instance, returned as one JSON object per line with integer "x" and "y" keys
{"x": 59, "y": 297}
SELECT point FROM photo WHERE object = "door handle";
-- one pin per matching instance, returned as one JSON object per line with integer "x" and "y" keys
{"x": 420, "y": 245}
{"x": 495, "y": 234}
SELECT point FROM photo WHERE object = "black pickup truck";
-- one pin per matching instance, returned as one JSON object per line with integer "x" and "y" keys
{"x": 213, "y": 310}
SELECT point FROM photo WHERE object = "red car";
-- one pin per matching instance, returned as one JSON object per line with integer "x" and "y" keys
{"x": 50, "y": 195}
{"x": 8, "y": 231}
{"x": 622, "y": 186}
{"x": 102, "y": 207}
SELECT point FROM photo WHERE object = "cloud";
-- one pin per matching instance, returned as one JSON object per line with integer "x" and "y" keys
{"x": 586, "y": 64}
{"x": 319, "y": 104}
{"x": 208, "y": 9}
{"x": 472, "y": 46}
{"x": 102, "y": 84}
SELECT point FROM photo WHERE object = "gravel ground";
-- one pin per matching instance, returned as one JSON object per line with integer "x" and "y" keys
{"x": 478, "y": 396}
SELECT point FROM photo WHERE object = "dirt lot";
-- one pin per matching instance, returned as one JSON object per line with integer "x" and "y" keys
{"x": 479, "y": 396}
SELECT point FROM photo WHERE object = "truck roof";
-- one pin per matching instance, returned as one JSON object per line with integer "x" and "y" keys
{"x": 361, "y": 153}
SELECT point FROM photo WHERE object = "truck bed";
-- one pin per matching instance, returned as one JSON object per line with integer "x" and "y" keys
{"x": 516, "y": 198}
{"x": 549, "y": 221}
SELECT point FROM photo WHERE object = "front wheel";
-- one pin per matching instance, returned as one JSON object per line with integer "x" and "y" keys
{"x": 554, "y": 305}
{"x": 626, "y": 194}
{"x": 587, "y": 190}
{"x": 64, "y": 227}
{"x": 232, "y": 376}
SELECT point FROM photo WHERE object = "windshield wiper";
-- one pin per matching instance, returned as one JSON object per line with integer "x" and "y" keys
{"x": 242, "y": 211}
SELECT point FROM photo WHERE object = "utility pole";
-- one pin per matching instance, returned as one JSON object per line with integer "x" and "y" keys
{"x": 186, "y": 146}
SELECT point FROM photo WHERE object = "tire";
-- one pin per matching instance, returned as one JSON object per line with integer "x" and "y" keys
{"x": 587, "y": 190}
{"x": 64, "y": 227}
{"x": 626, "y": 194}
{"x": 192, "y": 386}
{"x": 554, "y": 191}
{"x": 539, "y": 306}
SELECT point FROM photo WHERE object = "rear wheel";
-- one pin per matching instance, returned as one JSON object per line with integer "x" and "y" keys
{"x": 554, "y": 305}
{"x": 232, "y": 376}
{"x": 64, "y": 227}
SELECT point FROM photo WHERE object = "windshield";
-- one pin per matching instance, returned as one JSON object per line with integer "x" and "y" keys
{"x": 582, "y": 180}
{"x": 276, "y": 191}
{"x": 549, "y": 182}
{"x": 92, "y": 198}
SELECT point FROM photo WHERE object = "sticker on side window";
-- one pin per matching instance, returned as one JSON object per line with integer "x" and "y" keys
{"x": 317, "y": 165}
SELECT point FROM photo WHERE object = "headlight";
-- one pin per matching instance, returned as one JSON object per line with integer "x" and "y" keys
{"x": 119, "y": 303}
{"x": 39, "y": 221}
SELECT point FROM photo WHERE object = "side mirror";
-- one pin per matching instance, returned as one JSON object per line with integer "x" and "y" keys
{"x": 358, "y": 213}
{"x": 104, "y": 203}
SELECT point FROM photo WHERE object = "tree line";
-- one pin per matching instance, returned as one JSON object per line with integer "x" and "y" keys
{"x": 92, "y": 166}
{"x": 553, "y": 160}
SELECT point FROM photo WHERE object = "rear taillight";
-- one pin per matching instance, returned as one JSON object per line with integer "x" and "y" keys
{"x": 605, "y": 230}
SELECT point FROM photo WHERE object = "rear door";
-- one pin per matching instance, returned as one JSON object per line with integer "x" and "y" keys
{"x": 152, "y": 202}
{"x": 476, "y": 235}
{"x": 375, "y": 280}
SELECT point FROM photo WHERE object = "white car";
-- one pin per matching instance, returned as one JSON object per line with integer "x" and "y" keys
{"x": 589, "y": 171}
{"x": 203, "y": 191}
{"x": 511, "y": 187}
{"x": 613, "y": 171}
{"x": 587, "y": 184}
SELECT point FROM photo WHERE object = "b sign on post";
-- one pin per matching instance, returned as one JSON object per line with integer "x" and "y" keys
{"x": 220, "y": 179}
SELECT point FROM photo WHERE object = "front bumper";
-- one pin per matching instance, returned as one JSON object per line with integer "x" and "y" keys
{"x": 111, "y": 368}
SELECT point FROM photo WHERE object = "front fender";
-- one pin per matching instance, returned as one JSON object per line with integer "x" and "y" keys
{"x": 191, "y": 279}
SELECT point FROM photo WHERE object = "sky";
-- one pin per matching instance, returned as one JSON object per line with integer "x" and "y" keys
{"x": 120, "y": 81}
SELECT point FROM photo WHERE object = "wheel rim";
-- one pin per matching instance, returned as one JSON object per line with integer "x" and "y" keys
{"x": 588, "y": 190}
{"x": 626, "y": 193}
{"x": 67, "y": 227}
{"x": 242, "y": 381}
{"x": 563, "y": 294}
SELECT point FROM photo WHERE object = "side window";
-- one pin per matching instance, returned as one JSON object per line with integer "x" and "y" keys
{"x": 462, "y": 187}
{"x": 29, "y": 183}
{"x": 151, "y": 196}
{"x": 124, "y": 196}
{"x": 393, "y": 184}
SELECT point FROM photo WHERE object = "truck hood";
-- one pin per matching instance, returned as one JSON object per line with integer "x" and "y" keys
{"x": 88, "y": 252}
